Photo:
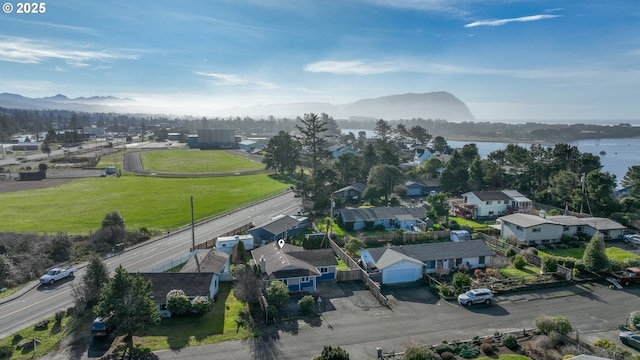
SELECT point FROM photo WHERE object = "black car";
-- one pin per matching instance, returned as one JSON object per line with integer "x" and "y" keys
{"x": 101, "y": 327}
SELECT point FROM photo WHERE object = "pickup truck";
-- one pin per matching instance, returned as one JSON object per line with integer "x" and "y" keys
{"x": 626, "y": 277}
{"x": 101, "y": 326}
{"x": 56, "y": 274}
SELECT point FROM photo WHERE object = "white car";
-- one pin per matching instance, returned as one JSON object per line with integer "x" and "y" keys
{"x": 632, "y": 239}
{"x": 475, "y": 296}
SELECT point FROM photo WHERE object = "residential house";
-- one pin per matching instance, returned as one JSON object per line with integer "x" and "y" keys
{"x": 424, "y": 186}
{"x": 227, "y": 243}
{"x": 193, "y": 284}
{"x": 533, "y": 229}
{"x": 350, "y": 194}
{"x": 391, "y": 218}
{"x": 530, "y": 229}
{"x": 281, "y": 227}
{"x": 422, "y": 154}
{"x": 490, "y": 203}
{"x": 299, "y": 269}
{"x": 210, "y": 261}
{"x": 407, "y": 263}
{"x": 339, "y": 149}
{"x": 607, "y": 228}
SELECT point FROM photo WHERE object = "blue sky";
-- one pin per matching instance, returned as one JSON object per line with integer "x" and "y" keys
{"x": 506, "y": 59}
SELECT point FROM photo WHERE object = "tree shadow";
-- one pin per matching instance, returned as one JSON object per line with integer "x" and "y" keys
{"x": 265, "y": 347}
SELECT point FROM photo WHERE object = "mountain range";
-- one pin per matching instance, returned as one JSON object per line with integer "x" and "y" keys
{"x": 432, "y": 105}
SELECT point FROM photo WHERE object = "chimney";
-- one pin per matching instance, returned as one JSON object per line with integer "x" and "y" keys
{"x": 263, "y": 264}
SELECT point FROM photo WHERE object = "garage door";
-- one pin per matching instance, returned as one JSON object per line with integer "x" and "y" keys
{"x": 395, "y": 276}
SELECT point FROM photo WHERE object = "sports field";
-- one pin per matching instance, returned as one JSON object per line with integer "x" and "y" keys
{"x": 78, "y": 206}
{"x": 197, "y": 162}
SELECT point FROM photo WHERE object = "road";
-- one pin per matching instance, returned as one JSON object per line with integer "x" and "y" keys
{"x": 419, "y": 317}
{"x": 42, "y": 301}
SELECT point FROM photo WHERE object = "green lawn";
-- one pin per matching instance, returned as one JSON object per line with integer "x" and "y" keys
{"x": 49, "y": 339}
{"x": 78, "y": 207}
{"x": 216, "y": 326}
{"x": 466, "y": 223}
{"x": 613, "y": 253}
{"x": 196, "y": 162}
{"x": 525, "y": 271}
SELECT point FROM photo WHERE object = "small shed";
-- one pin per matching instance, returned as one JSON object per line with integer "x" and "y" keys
{"x": 226, "y": 243}
{"x": 459, "y": 235}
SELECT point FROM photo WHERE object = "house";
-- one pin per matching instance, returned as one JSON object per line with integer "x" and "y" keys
{"x": 399, "y": 217}
{"x": 297, "y": 268}
{"x": 281, "y": 227}
{"x": 210, "y": 261}
{"x": 490, "y": 203}
{"x": 607, "y": 228}
{"x": 350, "y": 194}
{"x": 422, "y": 154}
{"x": 227, "y": 243}
{"x": 533, "y": 229}
{"x": 420, "y": 187}
{"x": 193, "y": 284}
{"x": 338, "y": 150}
{"x": 530, "y": 229}
{"x": 407, "y": 263}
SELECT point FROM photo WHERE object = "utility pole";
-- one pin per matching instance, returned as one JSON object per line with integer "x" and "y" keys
{"x": 193, "y": 236}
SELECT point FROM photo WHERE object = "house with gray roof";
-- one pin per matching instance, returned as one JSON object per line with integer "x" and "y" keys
{"x": 192, "y": 283}
{"x": 209, "y": 261}
{"x": 299, "y": 269}
{"x": 391, "y": 218}
{"x": 407, "y": 263}
{"x": 607, "y": 228}
{"x": 490, "y": 204}
{"x": 281, "y": 227}
{"x": 350, "y": 194}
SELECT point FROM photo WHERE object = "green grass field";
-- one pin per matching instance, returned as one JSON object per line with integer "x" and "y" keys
{"x": 196, "y": 162}
{"x": 79, "y": 206}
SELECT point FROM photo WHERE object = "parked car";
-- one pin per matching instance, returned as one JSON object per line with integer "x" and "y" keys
{"x": 101, "y": 326}
{"x": 56, "y": 274}
{"x": 475, "y": 296}
{"x": 630, "y": 338}
{"x": 632, "y": 239}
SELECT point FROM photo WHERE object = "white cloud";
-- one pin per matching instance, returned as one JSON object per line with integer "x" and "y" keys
{"x": 499, "y": 22}
{"x": 355, "y": 67}
{"x": 235, "y": 80}
{"x": 29, "y": 51}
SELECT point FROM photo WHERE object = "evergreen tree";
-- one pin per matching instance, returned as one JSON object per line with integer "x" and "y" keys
{"x": 594, "y": 258}
{"x": 87, "y": 293}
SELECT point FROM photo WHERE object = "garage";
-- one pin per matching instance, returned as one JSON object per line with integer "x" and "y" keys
{"x": 402, "y": 271}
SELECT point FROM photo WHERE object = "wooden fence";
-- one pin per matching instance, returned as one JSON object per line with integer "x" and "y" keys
{"x": 357, "y": 273}
{"x": 211, "y": 243}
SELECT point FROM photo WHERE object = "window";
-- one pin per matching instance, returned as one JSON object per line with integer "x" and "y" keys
{"x": 481, "y": 260}
{"x": 580, "y": 228}
{"x": 565, "y": 228}
{"x": 304, "y": 279}
{"x": 489, "y": 202}
{"x": 536, "y": 230}
{"x": 431, "y": 264}
{"x": 458, "y": 261}
{"x": 490, "y": 213}
{"x": 323, "y": 270}
{"x": 284, "y": 281}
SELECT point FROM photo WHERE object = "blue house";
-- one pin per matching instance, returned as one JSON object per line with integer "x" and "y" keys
{"x": 281, "y": 227}
{"x": 421, "y": 187}
{"x": 297, "y": 268}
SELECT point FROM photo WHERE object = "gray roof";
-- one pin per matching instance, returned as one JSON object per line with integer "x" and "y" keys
{"x": 317, "y": 258}
{"x": 602, "y": 223}
{"x": 280, "y": 225}
{"x": 528, "y": 220}
{"x": 435, "y": 251}
{"x": 491, "y": 195}
{"x": 382, "y": 213}
{"x": 212, "y": 261}
{"x": 193, "y": 284}
{"x": 279, "y": 262}
{"x": 359, "y": 187}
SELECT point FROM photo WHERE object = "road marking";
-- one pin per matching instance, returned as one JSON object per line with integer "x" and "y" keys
{"x": 36, "y": 303}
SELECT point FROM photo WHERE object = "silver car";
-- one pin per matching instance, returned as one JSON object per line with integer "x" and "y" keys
{"x": 475, "y": 296}
{"x": 630, "y": 338}
{"x": 632, "y": 239}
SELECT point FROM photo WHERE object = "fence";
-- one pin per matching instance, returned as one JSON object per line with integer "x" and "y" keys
{"x": 533, "y": 259}
{"x": 211, "y": 243}
{"x": 172, "y": 263}
{"x": 357, "y": 273}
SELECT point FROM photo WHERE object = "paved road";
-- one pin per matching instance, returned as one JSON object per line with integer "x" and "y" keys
{"x": 41, "y": 302}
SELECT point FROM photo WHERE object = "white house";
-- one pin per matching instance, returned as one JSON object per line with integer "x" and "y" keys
{"x": 607, "y": 228}
{"x": 491, "y": 203}
{"x": 530, "y": 229}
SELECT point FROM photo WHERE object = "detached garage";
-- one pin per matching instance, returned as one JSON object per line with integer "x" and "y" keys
{"x": 395, "y": 267}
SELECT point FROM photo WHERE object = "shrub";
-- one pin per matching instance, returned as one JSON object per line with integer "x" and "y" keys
{"x": 461, "y": 281}
{"x": 544, "y": 324}
{"x": 272, "y": 312}
{"x": 306, "y": 304}
{"x": 332, "y": 353}
{"x": 467, "y": 351}
{"x": 59, "y": 315}
{"x": 604, "y": 344}
{"x": 200, "y": 305}
{"x": 549, "y": 264}
{"x": 634, "y": 319}
{"x": 447, "y": 356}
{"x": 510, "y": 342}
{"x": 511, "y": 252}
{"x": 487, "y": 349}
{"x": 178, "y": 303}
{"x": 518, "y": 261}
{"x": 562, "y": 325}
{"x": 277, "y": 293}
{"x": 442, "y": 348}
{"x": 6, "y": 351}
{"x": 419, "y": 352}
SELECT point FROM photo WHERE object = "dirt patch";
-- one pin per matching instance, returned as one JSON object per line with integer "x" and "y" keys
{"x": 13, "y": 185}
